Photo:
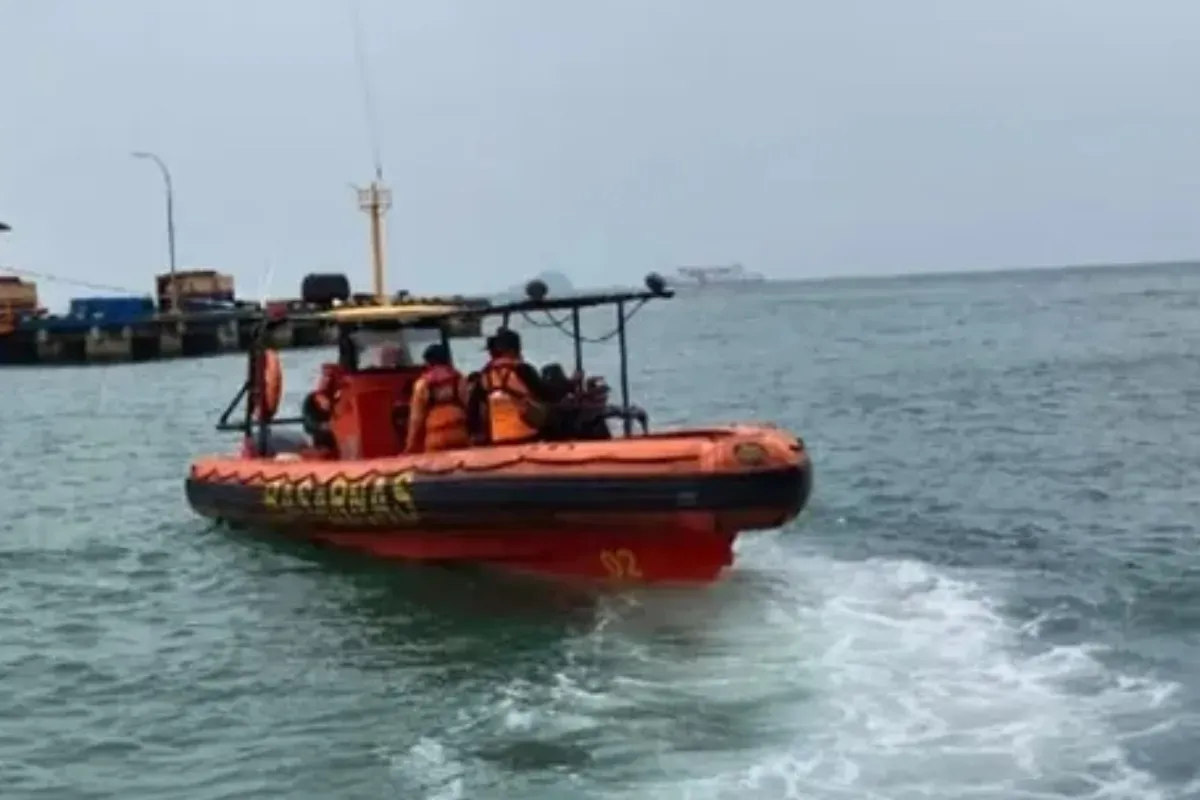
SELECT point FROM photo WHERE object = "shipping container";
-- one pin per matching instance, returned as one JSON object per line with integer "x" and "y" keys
{"x": 11, "y": 317}
{"x": 18, "y": 294}
{"x": 57, "y": 324}
{"x": 200, "y": 284}
{"x": 201, "y": 305}
{"x": 112, "y": 310}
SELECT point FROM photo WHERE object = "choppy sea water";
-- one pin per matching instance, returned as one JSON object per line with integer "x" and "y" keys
{"x": 994, "y": 594}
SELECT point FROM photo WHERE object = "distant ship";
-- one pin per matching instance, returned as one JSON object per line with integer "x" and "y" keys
{"x": 689, "y": 277}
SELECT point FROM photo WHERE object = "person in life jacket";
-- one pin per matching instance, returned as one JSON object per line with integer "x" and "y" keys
{"x": 513, "y": 393}
{"x": 317, "y": 409}
{"x": 437, "y": 418}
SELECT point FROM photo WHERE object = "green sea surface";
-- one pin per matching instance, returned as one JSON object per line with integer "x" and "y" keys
{"x": 994, "y": 594}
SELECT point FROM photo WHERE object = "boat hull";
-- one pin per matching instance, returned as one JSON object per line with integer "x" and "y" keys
{"x": 651, "y": 509}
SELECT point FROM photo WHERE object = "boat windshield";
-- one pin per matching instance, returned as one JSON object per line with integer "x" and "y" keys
{"x": 391, "y": 349}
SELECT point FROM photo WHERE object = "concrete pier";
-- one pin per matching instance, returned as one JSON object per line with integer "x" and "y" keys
{"x": 109, "y": 345}
{"x": 43, "y": 342}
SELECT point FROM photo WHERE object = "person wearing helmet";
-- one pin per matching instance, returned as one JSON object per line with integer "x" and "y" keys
{"x": 438, "y": 414}
{"x": 511, "y": 393}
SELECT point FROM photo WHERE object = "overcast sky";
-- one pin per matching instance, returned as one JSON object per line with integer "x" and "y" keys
{"x": 602, "y": 139}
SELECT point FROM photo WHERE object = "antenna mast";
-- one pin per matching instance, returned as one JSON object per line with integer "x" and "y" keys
{"x": 375, "y": 199}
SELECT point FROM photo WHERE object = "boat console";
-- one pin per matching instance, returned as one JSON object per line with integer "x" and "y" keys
{"x": 370, "y": 416}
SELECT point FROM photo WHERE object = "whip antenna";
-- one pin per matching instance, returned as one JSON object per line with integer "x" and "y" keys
{"x": 376, "y": 198}
{"x": 368, "y": 97}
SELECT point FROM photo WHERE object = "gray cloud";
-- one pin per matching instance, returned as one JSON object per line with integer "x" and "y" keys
{"x": 602, "y": 139}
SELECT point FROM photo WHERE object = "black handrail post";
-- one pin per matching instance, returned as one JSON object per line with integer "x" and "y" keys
{"x": 627, "y": 423}
{"x": 347, "y": 353}
{"x": 251, "y": 388}
{"x": 578, "y": 341}
{"x": 223, "y": 422}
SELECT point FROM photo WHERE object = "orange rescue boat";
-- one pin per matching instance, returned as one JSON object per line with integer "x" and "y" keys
{"x": 640, "y": 506}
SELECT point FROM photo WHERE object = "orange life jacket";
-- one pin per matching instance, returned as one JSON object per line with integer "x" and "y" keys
{"x": 439, "y": 412}
{"x": 508, "y": 401}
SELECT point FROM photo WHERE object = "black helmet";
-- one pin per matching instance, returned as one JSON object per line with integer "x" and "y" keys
{"x": 437, "y": 353}
{"x": 508, "y": 340}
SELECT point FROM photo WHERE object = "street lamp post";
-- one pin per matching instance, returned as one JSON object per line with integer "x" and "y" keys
{"x": 170, "y": 189}
{"x": 6, "y": 310}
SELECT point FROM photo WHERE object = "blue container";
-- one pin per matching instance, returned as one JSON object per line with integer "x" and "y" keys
{"x": 109, "y": 311}
{"x": 106, "y": 313}
{"x": 54, "y": 324}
